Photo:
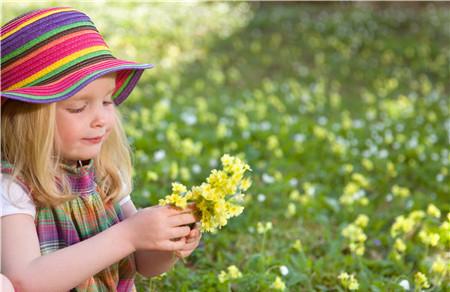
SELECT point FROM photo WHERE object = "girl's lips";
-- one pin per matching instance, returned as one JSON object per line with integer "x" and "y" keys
{"x": 94, "y": 140}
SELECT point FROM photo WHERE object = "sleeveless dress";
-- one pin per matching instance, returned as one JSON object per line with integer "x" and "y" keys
{"x": 79, "y": 219}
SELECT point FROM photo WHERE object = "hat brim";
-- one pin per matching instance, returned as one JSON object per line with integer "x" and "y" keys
{"x": 128, "y": 74}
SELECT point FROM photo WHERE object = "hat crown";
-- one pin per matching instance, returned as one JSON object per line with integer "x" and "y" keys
{"x": 48, "y": 55}
{"x": 44, "y": 45}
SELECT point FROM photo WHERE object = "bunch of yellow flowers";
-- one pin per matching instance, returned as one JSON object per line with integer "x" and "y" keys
{"x": 354, "y": 232}
{"x": 217, "y": 199}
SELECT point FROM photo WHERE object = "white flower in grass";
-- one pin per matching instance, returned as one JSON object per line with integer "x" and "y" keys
{"x": 404, "y": 284}
{"x": 284, "y": 270}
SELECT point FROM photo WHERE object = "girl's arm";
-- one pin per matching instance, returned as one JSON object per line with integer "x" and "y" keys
{"x": 150, "y": 263}
{"x": 61, "y": 270}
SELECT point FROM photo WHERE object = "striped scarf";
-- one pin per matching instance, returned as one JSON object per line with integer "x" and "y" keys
{"x": 79, "y": 219}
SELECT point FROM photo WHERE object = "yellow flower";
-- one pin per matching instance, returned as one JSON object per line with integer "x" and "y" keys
{"x": 348, "y": 168}
{"x": 174, "y": 199}
{"x": 433, "y": 211}
{"x": 178, "y": 188}
{"x": 245, "y": 184}
{"x": 391, "y": 169}
{"x": 320, "y": 132}
{"x": 297, "y": 245}
{"x": 278, "y": 284}
{"x": 362, "y": 220}
{"x": 291, "y": 210}
{"x": 356, "y": 238}
{"x": 402, "y": 224}
{"x": 294, "y": 195}
{"x": 399, "y": 245}
{"x": 348, "y": 281}
{"x": 360, "y": 179}
{"x": 402, "y": 192}
{"x": 223, "y": 277}
{"x": 233, "y": 272}
{"x": 368, "y": 165}
{"x": 417, "y": 215}
{"x": 440, "y": 267}
{"x": 429, "y": 238}
{"x": 353, "y": 194}
{"x": 421, "y": 280}
{"x": 262, "y": 228}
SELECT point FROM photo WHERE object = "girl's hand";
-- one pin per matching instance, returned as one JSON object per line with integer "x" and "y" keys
{"x": 192, "y": 242}
{"x": 162, "y": 228}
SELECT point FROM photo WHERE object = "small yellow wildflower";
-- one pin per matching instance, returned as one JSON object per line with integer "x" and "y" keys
{"x": 440, "y": 267}
{"x": 433, "y": 211}
{"x": 348, "y": 168}
{"x": 262, "y": 228}
{"x": 245, "y": 184}
{"x": 222, "y": 277}
{"x": 356, "y": 238}
{"x": 360, "y": 179}
{"x": 402, "y": 225}
{"x": 399, "y": 245}
{"x": 421, "y": 280}
{"x": 294, "y": 195}
{"x": 278, "y": 284}
{"x": 429, "y": 238}
{"x": 368, "y": 164}
{"x": 234, "y": 272}
{"x": 297, "y": 245}
{"x": 416, "y": 215}
{"x": 291, "y": 210}
{"x": 353, "y": 194}
{"x": 231, "y": 273}
{"x": 348, "y": 281}
{"x": 401, "y": 192}
{"x": 391, "y": 169}
{"x": 362, "y": 220}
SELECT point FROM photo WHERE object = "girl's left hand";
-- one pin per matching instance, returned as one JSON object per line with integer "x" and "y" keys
{"x": 192, "y": 241}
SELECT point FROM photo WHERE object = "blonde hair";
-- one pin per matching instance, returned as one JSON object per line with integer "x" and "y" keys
{"x": 27, "y": 142}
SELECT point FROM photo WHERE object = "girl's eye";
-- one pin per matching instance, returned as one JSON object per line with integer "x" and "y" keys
{"x": 76, "y": 110}
{"x": 109, "y": 102}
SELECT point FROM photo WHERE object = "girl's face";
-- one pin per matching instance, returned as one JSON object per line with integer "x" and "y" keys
{"x": 84, "y": 121}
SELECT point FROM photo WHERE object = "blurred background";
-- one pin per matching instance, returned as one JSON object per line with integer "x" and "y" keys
{"x": 342, "y": 111}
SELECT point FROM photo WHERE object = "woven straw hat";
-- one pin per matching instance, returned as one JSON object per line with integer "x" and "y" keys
{"x": 48, "y": 55}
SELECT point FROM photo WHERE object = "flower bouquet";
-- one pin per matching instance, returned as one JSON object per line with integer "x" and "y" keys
{"x": 217, "y": 199}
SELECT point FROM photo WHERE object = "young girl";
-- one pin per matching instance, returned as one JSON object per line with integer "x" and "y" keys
{"x": 68, "y": 222}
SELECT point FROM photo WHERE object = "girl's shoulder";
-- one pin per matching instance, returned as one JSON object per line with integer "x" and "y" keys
{"x": 14, "y": 194}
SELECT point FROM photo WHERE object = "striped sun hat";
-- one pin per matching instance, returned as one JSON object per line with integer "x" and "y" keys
{"x": 48, "y": 55}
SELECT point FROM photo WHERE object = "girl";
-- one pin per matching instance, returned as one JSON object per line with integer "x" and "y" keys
{"x": 68, "y": 222}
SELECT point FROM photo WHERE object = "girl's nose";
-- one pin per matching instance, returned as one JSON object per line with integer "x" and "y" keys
{"x": 100, "y": 118}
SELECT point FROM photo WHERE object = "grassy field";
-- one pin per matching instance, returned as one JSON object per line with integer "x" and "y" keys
{"x": 341, "y": 110}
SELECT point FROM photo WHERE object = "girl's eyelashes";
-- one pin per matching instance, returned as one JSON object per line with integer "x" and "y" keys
{"x": 76, "y": 110}
{"x": 80, "y": 109}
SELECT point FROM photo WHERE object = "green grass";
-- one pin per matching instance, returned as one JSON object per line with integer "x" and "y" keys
{"x": 305, "y": 94}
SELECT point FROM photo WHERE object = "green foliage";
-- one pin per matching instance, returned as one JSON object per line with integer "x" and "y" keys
{"x": 321, "y": 101}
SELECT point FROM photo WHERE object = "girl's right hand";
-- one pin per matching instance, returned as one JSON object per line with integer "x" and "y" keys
{"x": 162, "y": 228}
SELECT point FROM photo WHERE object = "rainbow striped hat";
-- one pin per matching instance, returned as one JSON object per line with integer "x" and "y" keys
{"x": 50, "y": 54}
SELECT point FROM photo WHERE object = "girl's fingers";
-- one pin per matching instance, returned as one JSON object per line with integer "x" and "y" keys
{"x": 171, "y": 245}
{"x": 181, "y": 219}
{"x": 177, "y": 232}
{"x": 194, "y": 233}
{"x": 189, "y": 246}
{"x": 171, "y": 211}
